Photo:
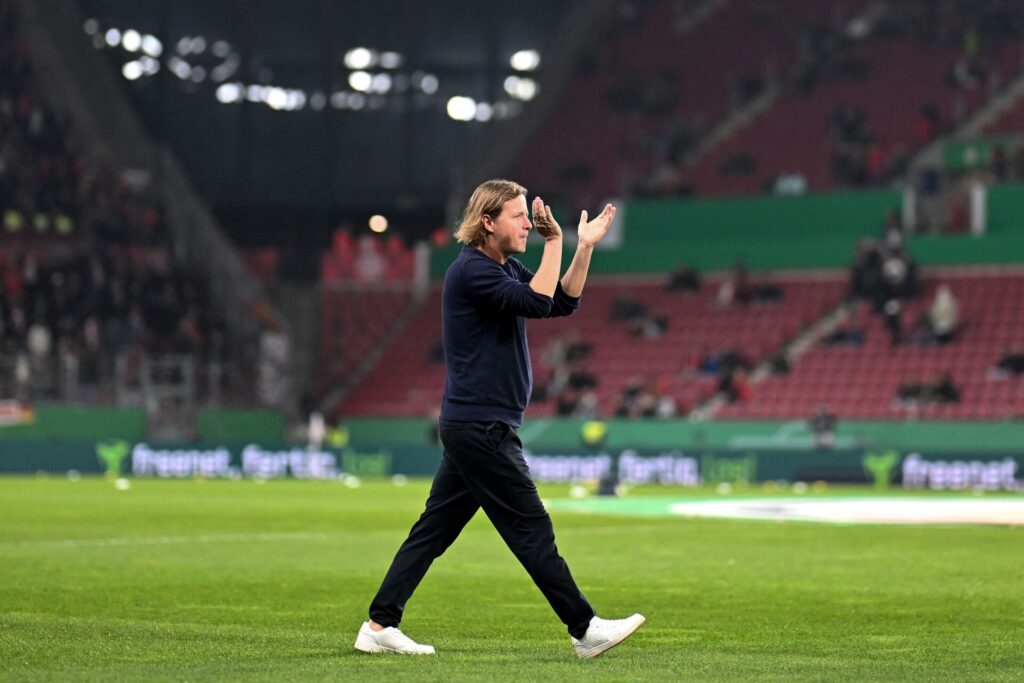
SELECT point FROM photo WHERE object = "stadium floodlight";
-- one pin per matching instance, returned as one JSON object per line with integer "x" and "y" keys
{"x": 484, "y": 112}
{"x": 360, "y": 81}
{"x": 198, "y": 74}
{"x": 429, "y": 84}
{"x": 339, "y": 99}
{"x": 461, "y": 108}
{"x": 152, "y": 46}
{"x": 525, "y": 60}
{"x": 221, "y": 49}
{"x": 381, "y": 83}
{"x": 356, "y": 100}
{"x": 131, "y": 40}
{"x": 199, "y": 45}
{"x": 229, "y": 93}
{"x": 184, "y": 45}
{"x": 317, "y": 101}
{"x": 277, "y": 98}
{"x": 391, "y": 60}
{"x": 296, "y": 100}
{"x": 521, "y": 88}
{"x": 359, "y": 58}
{"x": 150, "y": 66}
{"x": 132, "y": 70}
{"x": 113, "y": 37}
{"x": 378, "y": 223}
{"x": 91, "y": 27}
{"x": 180, "y": 67}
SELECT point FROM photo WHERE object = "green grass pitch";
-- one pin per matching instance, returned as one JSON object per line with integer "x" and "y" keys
{"x": 234, "y": 580}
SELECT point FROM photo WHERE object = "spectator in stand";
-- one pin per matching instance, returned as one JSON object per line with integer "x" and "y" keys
{"x": 649, "y": 327}
{"x": 939, "y": 390}
{"x": 1010, "y": 363}
{"x": 627, "y": 307}
{"x": 683, "y": 279}
{"x": 943, "y": 316}
{"x": 823, "y": 427}
{"x": 892, "y": 312}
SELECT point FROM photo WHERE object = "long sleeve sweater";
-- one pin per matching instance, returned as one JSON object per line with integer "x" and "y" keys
{"x": 484, "y": 307}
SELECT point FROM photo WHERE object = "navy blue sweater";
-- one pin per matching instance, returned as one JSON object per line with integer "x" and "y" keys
{"x": 484, "y": 305}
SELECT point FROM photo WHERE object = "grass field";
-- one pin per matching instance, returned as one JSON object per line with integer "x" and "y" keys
{"x": 198, "y": 581}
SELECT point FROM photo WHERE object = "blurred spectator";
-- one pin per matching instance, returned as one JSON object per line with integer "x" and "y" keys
{"x": 844, "y": 336}
{"x": 1011, "y": 362}
{"x": 683, "y": 279}
{"x": 940, "y": 390}
{"x": 627, "y": 307}
{"x": 943, "y": 316}
{"x": 823, "y": 427}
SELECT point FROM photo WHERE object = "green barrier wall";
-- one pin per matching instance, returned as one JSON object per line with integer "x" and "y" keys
{"x": 227, "y": 424}
{"x": 564, "y": 434}
{"x": 77, "y": 423}
{"x": 814, "y": 231}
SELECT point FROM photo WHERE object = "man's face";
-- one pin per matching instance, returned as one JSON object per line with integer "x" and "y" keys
{"x": 511, "y": 227}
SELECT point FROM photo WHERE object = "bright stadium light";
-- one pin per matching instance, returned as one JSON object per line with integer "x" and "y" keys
{"x": 429, "y": 84}
{"x": 199, "y": 45}
{"x": 461, "y": 108}
{"x": 198, "y": 74}
{"x": 150, "y": 66}
{"x": 317, "y": 101}
{"x": 360, "y": 80}
{"x": 221, "y": 49}
{"x": 229, "y": 93}
{"x": 113, "y": 37}
{"x": 356, "y": 100}
{"x": 339, "y": 99}
{"x": 381, "y": 83}
{"x": 132, "y": 70}
{"x": 131, "y": 40}
{"x": 179, "y": 67}
{"x": 521, "y": 88}
{"x": 184, "y": 45}
{"x": 378, "y": 223}
{"x": 277, "y": 98}
{"x": 484, "y": 112}
{"x": 152, "y": 46}
{"x": 360, "y": 58}
{"x": 390, "y": 60}
{"x": 91, "y": 27}
{"x": 525, "y": 60}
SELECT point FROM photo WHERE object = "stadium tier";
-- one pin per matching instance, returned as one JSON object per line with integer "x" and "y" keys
{"x": 665, "y": 79}
{"x": 409, "y": 377}
{"x": 864, "y": 380}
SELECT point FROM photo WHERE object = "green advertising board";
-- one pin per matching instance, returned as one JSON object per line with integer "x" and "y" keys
{"x": 935, "y": 469}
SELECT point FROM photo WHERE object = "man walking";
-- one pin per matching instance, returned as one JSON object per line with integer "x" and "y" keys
{"x": 487, "y": 296}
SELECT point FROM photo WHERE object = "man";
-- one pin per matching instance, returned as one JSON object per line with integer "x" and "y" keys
{"x": 487, "y": 295}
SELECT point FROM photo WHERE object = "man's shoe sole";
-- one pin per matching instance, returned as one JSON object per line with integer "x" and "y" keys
{"x": 604, "y": 647}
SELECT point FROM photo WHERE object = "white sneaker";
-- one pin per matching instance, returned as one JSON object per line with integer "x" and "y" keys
{"x": 604, "y": 634}
{"x": 389, "y": 640}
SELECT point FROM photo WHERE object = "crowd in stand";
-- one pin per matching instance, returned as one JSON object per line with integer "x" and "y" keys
{"x": 84, "y": 262}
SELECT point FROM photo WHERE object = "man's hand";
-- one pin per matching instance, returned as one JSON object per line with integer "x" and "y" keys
{"x": 590, "y": 233}
{"x": 544, "y": 221}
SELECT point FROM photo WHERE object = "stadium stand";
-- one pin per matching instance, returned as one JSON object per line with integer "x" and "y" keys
{"x": 856, "y": 89}
{"x": 649, "y": 92}
{"x": 408, "y": 379}
{"x": 90, "y": 288}
{"x": 863, "y": 380}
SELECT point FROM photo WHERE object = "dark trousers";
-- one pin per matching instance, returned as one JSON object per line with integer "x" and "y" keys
{"x": 483, "y": 467}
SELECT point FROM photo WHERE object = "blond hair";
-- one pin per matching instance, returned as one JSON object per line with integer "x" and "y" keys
{"x": 487, "y": 200}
